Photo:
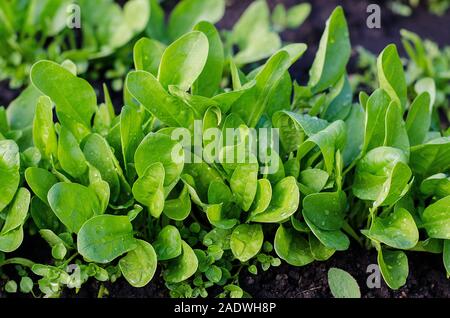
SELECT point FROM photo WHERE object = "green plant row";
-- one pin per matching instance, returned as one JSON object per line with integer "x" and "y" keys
{"x": 426, "y": 64}
{"x": 100, "y": 34}
{"x": 117, "y": 195}
{"x": 406, "y": 8}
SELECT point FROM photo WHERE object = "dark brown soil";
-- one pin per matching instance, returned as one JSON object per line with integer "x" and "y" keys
{"x": 426, "y": 278}
{"x": 7, "y": 94}
{"x": 427, "y": 275}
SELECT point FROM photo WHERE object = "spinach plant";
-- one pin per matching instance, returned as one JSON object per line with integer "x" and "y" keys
{"x": 64, "y": 30}
{"x": 163, "y": 190}
{"x": 98, "y": 34}
{"x": 141, "y": 209}
{"x": 426, "y": 68}
{"x": 406, "y": 8}
{"x": 398, "y": 159}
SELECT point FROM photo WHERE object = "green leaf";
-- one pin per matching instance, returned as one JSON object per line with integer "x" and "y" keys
{"x": 11, "y": 287}
{"x": 169, "y": 153}
{"x": 190, "y": 12}
{"x": 375, "y": 130}
{"x": 253, "y": 35}
{"x": 294, "y": 128}
{"x": 419, "y": 119}
{"x": 280, "y": 96}
{"x": 70, "y": 156}
{"x": 168, "y": 243}
{"x": 436, "y": 185}
{"x": 139, "y": 265}
{"x": 376, "y": 168}
{"x": 119, "y": 25}
{"x": 4, "y": 125}
{"x": 426, "y": 85}
{"x": 147, "y": 54}
{"x": 246, "y": 241}
{"x": 395, "y": 186}
{"x": 398, "y": 230}
{"x": 198, "y": 104}
{"x": 17, "y": 212}
{"x": 253, "y": 103}
{"x": 11, "y": 241}
{"x": 218, "y": 217}
{"x": 149, "y": 191}
{"x": 339, "y": 100}
{"x": 284, "y": 203}
{"x": 183, "y": 61}
{"x": 319, "y": 251}
{"x": 156, "y": 27}
{"x": 136, "y": 13}
{"x": 279, "y": 17}
{"x": 202, "y": 175}
{"x": 296, "y": 15}
{"x": 26, "y": 285}
{"x": 220, "y": 193}
{"x": 44, "y": 136}
{"x": 431, "y": 158}
{"x": 99, "y": 154}
{"x": 292, "y": 247}
{"x": 9, "y": 171}
{"x": 263, "y": 197}
{"x": 100, "y": 187}
{"x": 446, "y": 256}
{"x": 396, "y": 135}
{"x": 342, "y": 284}
{"x": 103, "y": 238}
{"x": 312, "y": 180}
{"x": 59, "y": 247}
{"x": 179, "y": 208}
{"x": 332, "y": 239}
{"x": 214, "y": 274}
{"x": 391, "y": 76}
{"x": 31, "y": 157}
{"x": 146, "y": 89}
{"x": 208, "y": 82}
{"x": 227, "y": 99}
{"x": 131, "y": 133}
{"x": 21, "y": 111}
{"x": 64, "y": 199}
{"x": 363, "y": 98}
{"x": 43, "y": 216}
{"x": 75, "y": 99}
{"x": 243, "y": 183}
{"x": 105, "y": 114}
{"x": 436, "y": 219}
{"x": 182, "y": 267}
{"x": 326, "y": 210}
{"x": 333, "y": 53}
{"x": 328, "y": 140}
{"x": 393, "y": 267}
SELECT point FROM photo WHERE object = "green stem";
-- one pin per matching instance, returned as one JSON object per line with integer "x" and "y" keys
{"x": 238, "y": 271}
{"x": 386, "y": 210}
{"x": 371, "y": 218}
{"x": 350, "y": 231}
{"x": 350, "y": 167}
{"x": 18, "y": 261}
{"x": 71, "y": 259}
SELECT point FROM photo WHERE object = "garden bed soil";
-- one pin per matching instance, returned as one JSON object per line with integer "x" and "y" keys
{"x": 426, "y": 280}
{"x": 427, "y": 275}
